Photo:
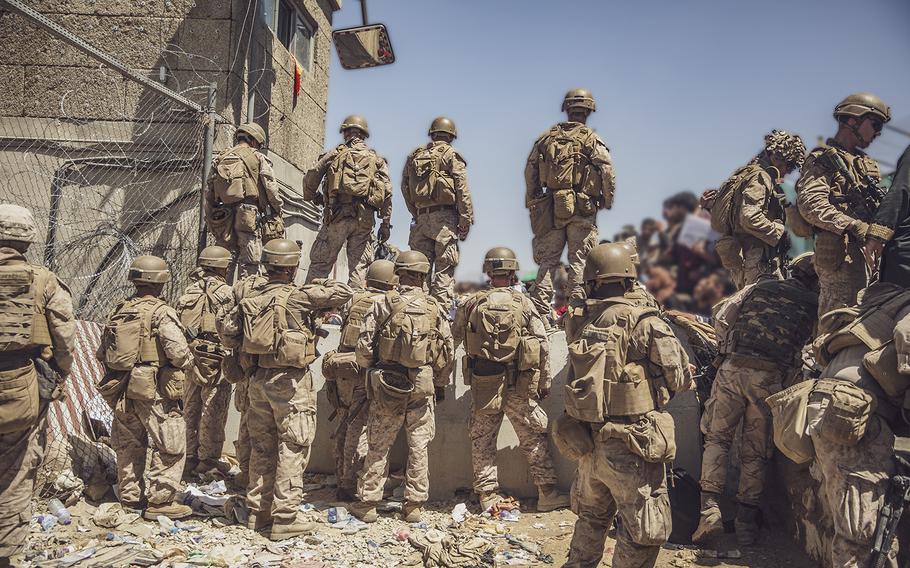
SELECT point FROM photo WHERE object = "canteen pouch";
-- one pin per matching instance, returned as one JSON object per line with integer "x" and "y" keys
{"x": 296, "y": 348}
{"x": 487, "y": 389}
{"x": 390, "y": 389}
{"x": 245, "y": 218}
{"x": 528, "y": 353}
{"x": 112, "y": 387}
{"x": 541, "y": 212}
{"x": 171, "y": 382}
{"x": 653, "y": 437}
{"x": 563, "y": 207}
{"x": 18, "y": 399}
{"x": 844, "y": 410}
{"x": 142, "y": 383}
{"x": 788, "y": 414}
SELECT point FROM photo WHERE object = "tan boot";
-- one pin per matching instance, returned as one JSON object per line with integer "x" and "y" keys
{"x": 550, "y": 499}
{"x": 411, "y": 512}
{"x": 297, "y": 528}
{"x": 171, "y": 510}
{"x": 207, "y": 465}
{"x": 365, "y": 511}
{"x": 710, "y": 523}
{"x": 242, "y": 481}
{"x": 488, "y": 499}
{"x": 746, "y": 523}
{"x": 258, "y": 522}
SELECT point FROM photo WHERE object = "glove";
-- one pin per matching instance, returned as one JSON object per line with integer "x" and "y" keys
{"x": 784, "y": 243}
{"x": 440, "y": 394}
{"x": 384, "y": 231}
{"x": 858, "y": 229}
{"x": 319, "y": 199}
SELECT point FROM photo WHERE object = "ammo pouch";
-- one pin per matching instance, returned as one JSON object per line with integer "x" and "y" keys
{"x": 142, "y": 383}
{"x": 220, "y": 221}
{"x": 653, "y": 437}
{"x": 245, "y": 218}
{"x": 541, "y": 212}
{"x": 342, "y": 368}
{"x": 830, "y": 250}
{"x": 572, "y": 437}
{"x": 208, "y": 358}
{"x": 171, "y": 383}
{"x": 295, "y": 348}
{"x": 488, "y": 384}
{"x": 389, "y": 387}
{"x": 789, "y": 414}
{"x": 563, "y": 207}
{"x": 19, "y": 406}
{"x": 113, "y": 386}
{"x": 839, "y": 411}
{"x": 272, "y": 228}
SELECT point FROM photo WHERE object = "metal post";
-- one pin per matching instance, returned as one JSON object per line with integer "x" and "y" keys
{"x": 363, "y": 11}
{"x": 208, "y": 143}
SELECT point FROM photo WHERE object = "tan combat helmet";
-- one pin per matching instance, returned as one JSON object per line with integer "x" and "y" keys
{"x": 17, "y": 224}
{"x": 412, "y": 261}
{"x": 500, "y": 260}
{"x": 149, "y": 270}
{"x": 355, "y": 121}
{"x": 214, "y": 257}
{"x": 443, "y": 124}
{"x": 788, "y": 146}
{"x": 381, "y": 274}
{"x": 281, "y": 252}
{"x": 579, "y": 98}
{"x": 253, "y": 130}
{"x": 860, "y": 104}
{"x": 803, "y": 266}
{"x": 610, "y": 262}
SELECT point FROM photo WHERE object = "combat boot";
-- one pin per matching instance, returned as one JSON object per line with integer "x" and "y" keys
{"x": 189, "y": 466}
{"x": 297, "y": 528}
{"x": 488, "y": 499}
{"x": 411, "y": 512}
{"x": 171, "y": 510}
{"x": 258, "y": 522}
{"x": 746, "y": 524}
{"x": 550, "y": 499}
{"x": 345, "y": 494}
{"x": 710, "y": 523}
{"x": 365, "y": 511}
{"x": 207, "y": 465}
{"x": 242, "y": 480}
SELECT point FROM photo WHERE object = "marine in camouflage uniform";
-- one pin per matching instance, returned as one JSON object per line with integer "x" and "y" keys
{"x": 34, "y": 324}
{"x": 205, "y": 401}
{"x": 524, "y": 382}
{"x": 345, "y": 380}
{"x": 833, "y": 204}
{"x": 415, "y": 408}
{"x": 761, "y": 332}
{"x": 153, "y": 421}
{"x": 611, "y": 478}
{"x": 434, "y": 184}
{"x": 245, "y": 241}
{"x": 282, "y": 412}
{"x": 759, "y": 239}
{"x": 348, "y": 219}
{"x": 564, "y": 211}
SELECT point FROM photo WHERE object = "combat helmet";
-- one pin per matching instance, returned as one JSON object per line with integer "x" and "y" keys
{"x": 610, "y": 262}
{"x": 355, "y": 121}
{"x": 17, "y": 224}
{"x": 214, "y": 257}
{"x": 859, "y": 104}
{"x": 149, "y": 270}
{"x": 253, "y": 130}
{"x": 443, "y": 124}
{"x": 803, "y": 266}
{"x": 788, "y": 146}
{"x": 281, "y": 252}
{"x": 500, "y": 260}
{"x": 381, "y": 274}
{"x": 579, "y": 98}
{"x": 412, "y": 261}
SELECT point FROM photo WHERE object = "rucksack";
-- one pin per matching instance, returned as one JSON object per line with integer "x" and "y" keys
{"x": 23, "y": 323}
{"x": 236, "y": 175}
{"x": 723, "y": 208}
{"x": 352, "y": 172}
{"x": 266, "y": 330}
{"x": 406, "y": 338}
{"x": 494, "y": 326}
{"x": 197, "y": 309}
{"x": 127, "y": 337}
{"x": 563, "y": 158}
{"x": 429, "y": 182}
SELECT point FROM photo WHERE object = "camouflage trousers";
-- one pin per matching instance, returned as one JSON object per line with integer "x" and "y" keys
{"x": 349, "y": 231}
{"x": 242, "y": 445}
{"x": 20, "y": 455}
{"x": 419, "y": 421}
{"x": 580, "y": 235}
{"x": 612, "y": 480}
{"x": 434, "y": 234}
{"x": 840, "y": 280}
{"x": 248, "y": 253}
{"x": 854, "y": 483}
{"x": 530, "y": 423}
{"x": 205, "y": 411}
{"x": 157, "y": 425}
{"x": 747, "y": 259}
{"x": 282, "y": 424}
{"x": 350, "y": 447}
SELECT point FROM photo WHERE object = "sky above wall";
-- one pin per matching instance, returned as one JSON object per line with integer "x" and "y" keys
{"x": 685, "y": 90}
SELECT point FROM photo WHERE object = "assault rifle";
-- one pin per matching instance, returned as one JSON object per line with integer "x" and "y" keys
{"x": 864, "y": 195}
{"x": 897, "y": 499}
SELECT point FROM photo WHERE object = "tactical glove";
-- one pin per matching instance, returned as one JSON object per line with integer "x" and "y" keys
{"x": 858, "y": 229}
{"x": 384, "y": 232}
{"x": 440, "y": 394}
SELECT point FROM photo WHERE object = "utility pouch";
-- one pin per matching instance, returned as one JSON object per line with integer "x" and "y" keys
{"x": 112, "y": 387}
{"x": 844, "y": 410}
{"x": 830, "y": 250}
{"x": 342, "y": 368}
{"x": 528, "y": 353}
{"x": 220, "y": 221}
{"x": 295, "y": 348}
{"x": 171, "y": 383}
{"x": 572, "y": 437}
{"x": 142, "y": 383}
{"x": 788, "y": 414}
{"x": 585, "y": 399}
{"x": 563, "y": 207}
{"x": 18, "y": 399}
{"x": 245, "y": 218}
{"x": 208, "y": 358}
{"x": 272, "y": 228}
{"x": 390, "y": 388}
{"x": 231, "y": 369}
{"x": 487, "y": 390}
{"x": 541, "y": 212}
{"x": 584, "y": 204}
{"x": 653, "y": 437}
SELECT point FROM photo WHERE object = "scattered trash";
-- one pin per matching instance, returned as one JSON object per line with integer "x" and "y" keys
{"x": 47, "y": 522}
{"x": 402, "y": 535}
{"x": 510, "y": 516}
{"x": 57, "y": 509}
{"x": 112, "y": 515}
{"x": 235, "y": 510}
{"x": 306, "y": 507}
{"x": 76, "y": 557}
{"x": 531, "y": 547}
{"x": 166, "y": 525}
{"x": 67, "y": 485}
{"x": 337, "y": 515}
{"x": 460, "y": 513}
{"x": 708, "y": 553}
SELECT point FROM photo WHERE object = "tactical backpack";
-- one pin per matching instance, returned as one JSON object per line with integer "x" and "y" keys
{"x": 127, "y": 338}
{"x": 266, "y": 330}
{"x": 197, "y": 309}
{"x": 429, "y": 182}
{"x": 22, "y": 319}
{"x": 408, "y": 335}
{"x": 352, "y": 172}
{"x": 494, "y": 326}
{"x": 563, "y": 159}
{"x": 236, "y": 175}
{"x": 723, "y": 210}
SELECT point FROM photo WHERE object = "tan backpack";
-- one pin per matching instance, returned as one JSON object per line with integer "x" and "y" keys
{"x": 266, "y": 330}
{"x": 723, "y": 211}
{"x": 495, "y": 325}
{"x": 352, "y": 172}
{"x": 23, "y": 323}
{"x": 408, "y": 336}
{"x": 127, "y": 338}
{"x": 236, "y": 175}
{"x": 429, "y": 182}
{"x": 563, "y": 157}
{"x": 196, "y": 307}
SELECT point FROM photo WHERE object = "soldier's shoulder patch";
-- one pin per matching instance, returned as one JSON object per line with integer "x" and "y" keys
{"x": 459, "y": 156}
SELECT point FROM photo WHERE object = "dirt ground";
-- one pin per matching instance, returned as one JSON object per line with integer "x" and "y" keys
{"x": 533, "y": 540}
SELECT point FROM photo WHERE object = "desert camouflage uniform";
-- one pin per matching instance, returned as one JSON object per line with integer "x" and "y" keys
{"x": 527, "y": 417}
{"x": 839, "y": 257}
{"x": 21, "y": 452}
{"x": 247, "y": 248}
{"x": 282, "y": 410}
{"x": 580, "y": 234}
{"x": 613, "y": 480}
{"x": 205, "y": 402}
{"x": 157, "y": 425}
{"x": 436, "y": 224}
{"x": 417, "y": 416}
{"x": 345, "y": 222}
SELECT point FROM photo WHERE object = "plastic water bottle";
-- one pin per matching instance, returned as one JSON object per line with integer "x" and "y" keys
{"x": 47, "y": 522}
{"x": 166, "y": 525}
{"x": 57, "y": 509}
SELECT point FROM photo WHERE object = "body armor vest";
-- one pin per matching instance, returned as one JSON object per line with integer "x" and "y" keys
{"x": 23, "y": 324}
{"x": 361, "y": 305}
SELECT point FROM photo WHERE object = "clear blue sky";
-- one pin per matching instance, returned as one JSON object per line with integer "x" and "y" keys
{"x": 685, "y": 90}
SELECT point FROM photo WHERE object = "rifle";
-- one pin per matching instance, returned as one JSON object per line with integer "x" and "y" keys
{"x": 864, "y": 195}
{"x": 897, "y": 499}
